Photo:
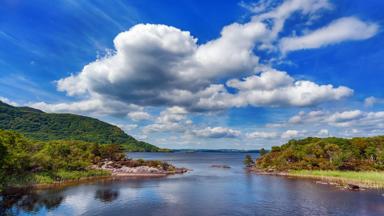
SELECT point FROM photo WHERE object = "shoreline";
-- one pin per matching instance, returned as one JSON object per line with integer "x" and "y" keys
{"x": 107, "y": 170}
{"x": 342, "y": 182}
{"x": 83, "y": 180}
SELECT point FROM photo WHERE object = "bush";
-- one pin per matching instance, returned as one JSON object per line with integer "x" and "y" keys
{"x": 248, "y": 161}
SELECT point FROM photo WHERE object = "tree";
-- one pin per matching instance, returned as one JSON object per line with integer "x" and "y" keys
{"x": 262, "y": 152}
{"x": 3, "y": 154}
{"x": 248, "y": 161}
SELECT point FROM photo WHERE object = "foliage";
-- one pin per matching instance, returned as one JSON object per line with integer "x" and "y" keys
{"x": 29, "y": 161}
{"x": 42, "y": 126}
{"x": 262, "y": 151}
{"x": 357, "y": 154}
{"x": 248, "y": 161}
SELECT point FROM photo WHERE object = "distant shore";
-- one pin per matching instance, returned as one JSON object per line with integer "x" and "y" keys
{"x": 346, "y": 179}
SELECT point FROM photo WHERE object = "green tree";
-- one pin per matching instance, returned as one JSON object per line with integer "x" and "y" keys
{"x": 3, "y": 154}
{"x": 262, "y": 151}
{"x": 248, "y": 161}
{"x": 332, "y": 153}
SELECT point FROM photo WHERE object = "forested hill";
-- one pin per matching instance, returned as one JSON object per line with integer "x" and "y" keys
{"x": 357, "y": 154}
{"x": 39, "y": 125}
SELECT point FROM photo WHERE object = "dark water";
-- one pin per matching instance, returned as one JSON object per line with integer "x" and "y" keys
{"x": 204, "y": 191}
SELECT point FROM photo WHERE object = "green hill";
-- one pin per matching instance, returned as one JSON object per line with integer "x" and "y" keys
{"x": 39, "y": 125}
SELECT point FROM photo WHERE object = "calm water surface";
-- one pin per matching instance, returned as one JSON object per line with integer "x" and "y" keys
{"x": 204, "y": 191}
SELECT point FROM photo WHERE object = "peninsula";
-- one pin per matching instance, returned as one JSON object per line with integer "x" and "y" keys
{"x": 349, "y": 162}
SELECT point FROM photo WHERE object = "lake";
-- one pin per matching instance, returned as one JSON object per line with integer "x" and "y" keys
{"x": 204, "y": 191}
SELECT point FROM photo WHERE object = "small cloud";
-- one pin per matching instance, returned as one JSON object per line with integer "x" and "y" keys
{"x": 139, "y": 116}
{"x": 128, "y": 127}
{"x": 370, "y": 101}
{"x": 340, "y": 30}
{"x": 217, "y": 132}
{"x": 289, "y": 134}
{"x": 323, "y": 133}
{"x": 8, "y": 101}
{"x": 261, "y": 135}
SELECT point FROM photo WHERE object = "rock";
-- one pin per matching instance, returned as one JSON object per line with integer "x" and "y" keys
{"x": 181, "y": 170}
{"x": 322, "y": 182}
{"x": 130, "y": 167}
{"x": 223, "y": 166}
{"x": 353, "y": 187}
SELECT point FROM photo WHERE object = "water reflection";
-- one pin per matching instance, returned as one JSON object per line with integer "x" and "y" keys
{"x": 106, "y": 195}
{"x": 15, "y": 201}
{"x": 204, "y": 191}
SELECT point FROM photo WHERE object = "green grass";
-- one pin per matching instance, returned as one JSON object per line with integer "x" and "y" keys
{"x": 64, "y": 175}
{"x": 370, "y": 179}
{"x": 52, "y": 177}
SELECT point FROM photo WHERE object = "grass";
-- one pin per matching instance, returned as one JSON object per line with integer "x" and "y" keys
{"x": 52, "y": 177}
{"x": 368, "y": 179}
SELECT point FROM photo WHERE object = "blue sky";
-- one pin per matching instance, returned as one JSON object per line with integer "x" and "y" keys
{"x": 198, "y": 74}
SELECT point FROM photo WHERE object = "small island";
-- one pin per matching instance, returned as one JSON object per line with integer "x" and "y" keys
{"x": 30, "y": 163}
{"x": 352, "y": 163}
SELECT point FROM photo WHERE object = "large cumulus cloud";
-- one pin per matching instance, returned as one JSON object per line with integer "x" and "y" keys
{"x": 159, "y": 65}
{"x": 154, "y": 65}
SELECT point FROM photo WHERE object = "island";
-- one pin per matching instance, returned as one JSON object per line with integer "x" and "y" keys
{"x": 352, "y": 163}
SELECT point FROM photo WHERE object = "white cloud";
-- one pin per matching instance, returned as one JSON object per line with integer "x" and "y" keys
{"x": 289, "y": 134}
{"x": 139, "y": 115}
{"x": 8, "y": 101}
{"x": 217, "y": 132}
{"x": 268, "y": 80}
{"x": 343, "y": 29}
{"x": 277, "y": 15}
{"x": 323, "y": 133}
{"x": 127, "y": 127}
{"x": 347, "y": 118}
{"x": 297, "y": 93}
{"x": 370, "y": 101}
{"x": 90, "y": 106}
{"x": 160, "y": 65}
{"x": 271, "y": 88}
{"x": 344, "y": 116}
{"x": 261, "y": 135}
{"x": 171, "y": 119}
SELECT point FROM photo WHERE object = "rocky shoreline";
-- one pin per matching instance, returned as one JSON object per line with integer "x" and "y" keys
{"x": 120, "y": 169}
{"x": 125, "y": 168}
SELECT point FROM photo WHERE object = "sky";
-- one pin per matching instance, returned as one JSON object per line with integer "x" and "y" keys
{"x": 200, "y": 74}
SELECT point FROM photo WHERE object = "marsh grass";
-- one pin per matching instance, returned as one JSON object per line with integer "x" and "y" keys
{"x": 52, "y": 177}
{"x": 368, "y": 179}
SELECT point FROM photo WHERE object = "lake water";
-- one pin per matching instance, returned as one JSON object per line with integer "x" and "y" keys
{"x": 203, "y": 191}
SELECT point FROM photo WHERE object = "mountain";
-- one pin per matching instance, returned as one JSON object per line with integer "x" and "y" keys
{"x": 39, "y": 125}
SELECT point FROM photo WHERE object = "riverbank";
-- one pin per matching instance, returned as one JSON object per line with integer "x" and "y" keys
{"x": 106, "y": 170}
{"x": 345, "y": 179}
